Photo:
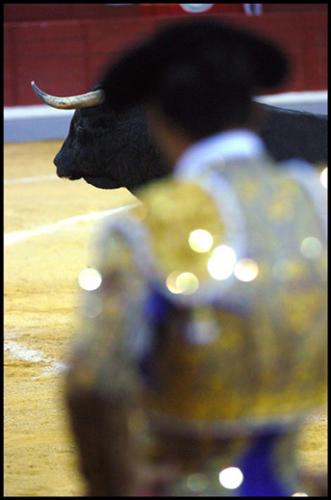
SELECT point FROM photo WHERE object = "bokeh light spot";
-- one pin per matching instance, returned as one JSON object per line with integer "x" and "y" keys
{"x": 200, "y": 240}
{"x": 221, "y": 263}
{"x": 246, "y": 270}
{"x": 311, "y": 247}
{"x": 89, "y": 279}
{"x": 231, "y": 478}
{"x": 324, "y": 178}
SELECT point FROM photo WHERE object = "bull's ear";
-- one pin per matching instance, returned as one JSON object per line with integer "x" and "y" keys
{"x": 87, "y": 100}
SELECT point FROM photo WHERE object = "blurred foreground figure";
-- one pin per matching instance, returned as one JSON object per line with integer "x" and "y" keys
{"x": 202, "y": 337}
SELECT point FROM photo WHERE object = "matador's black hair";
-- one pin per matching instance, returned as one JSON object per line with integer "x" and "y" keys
{"x": 201, "y": 73}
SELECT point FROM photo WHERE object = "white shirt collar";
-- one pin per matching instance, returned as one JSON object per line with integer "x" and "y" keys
{"x": 238, "y": 143}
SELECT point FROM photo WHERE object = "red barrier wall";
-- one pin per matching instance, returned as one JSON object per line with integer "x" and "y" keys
{"x": 64, "y": 46}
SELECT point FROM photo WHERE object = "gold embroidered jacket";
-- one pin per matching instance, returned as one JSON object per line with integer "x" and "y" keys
{"x": 209, "y": 312}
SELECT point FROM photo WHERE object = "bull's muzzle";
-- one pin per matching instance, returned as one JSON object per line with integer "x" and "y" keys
{"x": 87, "y": 100}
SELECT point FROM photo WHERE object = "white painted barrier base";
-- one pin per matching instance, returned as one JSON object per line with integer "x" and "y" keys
{"x": 37, "y": 123}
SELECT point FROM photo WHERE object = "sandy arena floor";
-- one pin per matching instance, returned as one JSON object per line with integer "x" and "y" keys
{"x": 41, "y": 269}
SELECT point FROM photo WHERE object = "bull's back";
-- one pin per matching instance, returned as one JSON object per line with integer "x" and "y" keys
{"x": 294, "y": 134}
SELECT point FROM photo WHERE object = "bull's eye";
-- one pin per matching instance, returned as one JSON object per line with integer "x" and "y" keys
{"x": 80, "y": 130}
{"x": 83, "y": 135}
{"x": 98, "y": 133}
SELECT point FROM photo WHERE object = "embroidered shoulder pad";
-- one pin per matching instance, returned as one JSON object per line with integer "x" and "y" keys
{"x": 184, "y": 227}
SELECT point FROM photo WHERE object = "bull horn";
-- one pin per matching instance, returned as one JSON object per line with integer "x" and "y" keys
{"x": 73, "y": 102}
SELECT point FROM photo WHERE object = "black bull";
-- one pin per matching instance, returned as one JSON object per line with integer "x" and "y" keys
{"x": 112, "y": 150}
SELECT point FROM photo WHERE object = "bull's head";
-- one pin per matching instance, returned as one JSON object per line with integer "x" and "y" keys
{"x": 111, "y": 150}
{"x": 107, "y": 149}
